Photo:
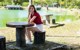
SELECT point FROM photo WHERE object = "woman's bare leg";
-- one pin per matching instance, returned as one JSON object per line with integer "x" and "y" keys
{"x": 28, "y": 33}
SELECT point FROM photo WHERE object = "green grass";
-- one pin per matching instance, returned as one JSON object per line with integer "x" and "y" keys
{"x": 65, "y": 17}
{"x": 69, "y": 34}
{"x": 19, "y": 15}
{"x": 11, "y": 16}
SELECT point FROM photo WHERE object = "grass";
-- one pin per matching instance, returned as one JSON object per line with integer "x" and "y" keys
{"x": 16, "y": 15}
{"x": 68, "y": 34}
{"x": 65, "y": 17}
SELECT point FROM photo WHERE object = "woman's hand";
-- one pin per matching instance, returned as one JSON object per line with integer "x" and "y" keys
{"x": 30, "y": 22}
{"x": 29, "y": 16}
{"x": 30, "y": 13}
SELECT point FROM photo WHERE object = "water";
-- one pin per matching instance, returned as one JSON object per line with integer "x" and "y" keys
{"x": 21, "y": 15}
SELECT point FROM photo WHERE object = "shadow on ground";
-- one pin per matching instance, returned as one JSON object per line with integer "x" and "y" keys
{"x": 75, "y": 47}
{"x": 47, "y": 46}
{"x": 56, "y": 25}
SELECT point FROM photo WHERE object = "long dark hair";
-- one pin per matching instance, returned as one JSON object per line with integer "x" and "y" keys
{"x": 33, "y": 7}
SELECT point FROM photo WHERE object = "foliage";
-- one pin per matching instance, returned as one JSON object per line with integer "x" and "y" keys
{"x": 78, "y": 4}
{"x": 63, "y": 3}
{"x": 37, "y": 2}
{"x": 0, "y": 3}
{"x": 1, "y": 0}
{"x": 48, "y": 2}
{"x": 6, "y": 3}
{"x": 25, "y": 3}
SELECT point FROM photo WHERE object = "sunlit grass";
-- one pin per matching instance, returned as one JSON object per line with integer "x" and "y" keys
{"x": 65, "y": 17}
{"x": 69, "y": 34}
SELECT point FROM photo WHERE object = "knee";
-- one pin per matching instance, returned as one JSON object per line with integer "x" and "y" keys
{"x": 28, "y": 29}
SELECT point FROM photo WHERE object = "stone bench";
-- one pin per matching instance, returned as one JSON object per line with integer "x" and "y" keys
{"x": 2, "y": 43}
{"x": 39, "y": 37}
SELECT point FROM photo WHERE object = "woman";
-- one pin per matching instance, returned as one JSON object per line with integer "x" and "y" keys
{"x": 34, "y": 18}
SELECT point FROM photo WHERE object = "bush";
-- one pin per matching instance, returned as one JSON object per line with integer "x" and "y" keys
{"x": 78, "y": 4}
{"x": 25, "y": 3}
{"x": 6, "y": 3}
{"x": 0, "y": 3}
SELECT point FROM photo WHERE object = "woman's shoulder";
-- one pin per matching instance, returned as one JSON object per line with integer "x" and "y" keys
{"x": 36, "y": 13}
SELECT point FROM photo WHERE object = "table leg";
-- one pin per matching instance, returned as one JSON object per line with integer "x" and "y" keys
{"x": 20, "y": 37}
{"x": 48, "y": 19}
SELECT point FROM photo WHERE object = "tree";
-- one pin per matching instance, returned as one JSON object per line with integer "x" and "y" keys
{"x": 1, "y": 0}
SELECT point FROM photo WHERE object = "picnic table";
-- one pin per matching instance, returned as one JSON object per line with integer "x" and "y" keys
{"x": 20, "y": 32}
{"x": 46, "y": 15}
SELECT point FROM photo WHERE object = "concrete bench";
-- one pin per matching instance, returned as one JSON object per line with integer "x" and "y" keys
{"x": 2, "y": 43}
{"x": 39, "y": 37}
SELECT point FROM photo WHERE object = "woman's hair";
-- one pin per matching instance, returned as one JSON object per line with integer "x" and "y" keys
{"x": 33, "y": 7}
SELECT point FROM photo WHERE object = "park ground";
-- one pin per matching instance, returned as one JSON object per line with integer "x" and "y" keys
{"x": 68, "y": 34}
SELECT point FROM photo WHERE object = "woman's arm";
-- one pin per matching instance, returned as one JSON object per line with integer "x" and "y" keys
{"x": 32, "y": 19}
{"x": 29, "y": 17}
